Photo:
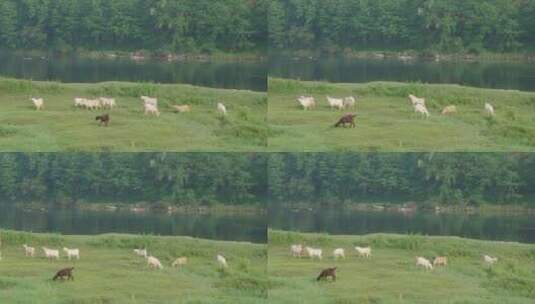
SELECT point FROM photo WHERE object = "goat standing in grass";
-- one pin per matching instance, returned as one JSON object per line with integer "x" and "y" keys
{"x": 306, "y": 102}
{"x": 221, "y": 109}
{"x": 335, "y": 103}
{"x": 221, "y": 261}
{"x": 489, "y": 109}
{"x": 339, "y": 253}
{"x": 420, "y": 261}
{"x": 153, "y": 262}
{"x": 181, "y": 261}
{"x": 51, "y": 253}
{"x": 296, "y": 250}
{"x": 364, "y": 251}
{"x": 28, "y": 251}
{"x": 350, "y": 102}
{"x": 72, "y": 253}
{"x": 39, "y": 103}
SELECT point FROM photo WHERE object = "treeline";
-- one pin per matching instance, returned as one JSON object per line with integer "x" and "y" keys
{"x": 451, "y": 26}
{"x": 156, "y": 25}
{"x": 446, "y": 178}
{"x": 175, "y": 178}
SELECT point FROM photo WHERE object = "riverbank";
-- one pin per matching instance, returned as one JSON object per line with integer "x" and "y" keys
{"x": 390, "y": 275}
{"x": 62, "y": 127}
{"x": 413, "y": 55}
{"x": 158, "y": 207}
{"x": 108, "y": 270}
{"x": 386, "y": 121}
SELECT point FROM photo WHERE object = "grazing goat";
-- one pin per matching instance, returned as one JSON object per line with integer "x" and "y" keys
{"x": 104, "y": 119}
{"x": 80, "y": 102}
{"x": 421, "y": 109}
{"x": 416, "y": 100}
{"x": 141, "y": 252}
{"x": 440, "y": 261}
{"x": 181, "y": 261}
{"x": 153, "y": 262}
{"x": 350, "y": 102}
{"x": 364, "y": 251}
{"x": 38, "y": 103}
{"x": 489, "y": 109}
{"x": 182, "y": 108}
{"x": 151, "y": 109}
{"x": 28, "y": 251}
{"x": 93, "y": 104}
{"x": 107, "y": 102}
{"x": 150, "y": 100}
{"x": 72, "y": 253}
{"x": 221, "y": 261}
{"x": 64, "y": 273}
{"x": 490, "y": 260}
{"x": 314, "y": 253}
{"x": 346, "y": 119}
{"x": 449, "y": 110}
{"x": 339, "y": 253}
{"x": 335, "y": 103}
{"x": 221, "y": 109}
{"x": 51, "y": 253}
{"x": 329, "y": 272}
{"x": 420, "y": 261}
{"x": 296, "y": 250}
{"x": 307, "y": 102}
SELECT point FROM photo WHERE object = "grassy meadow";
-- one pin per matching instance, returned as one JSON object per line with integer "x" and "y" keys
{"x": 62, "y": 127}
{"x": 386, "y": 120}
{"x": 109, "y": 271}
{"x": 391, "y": 276}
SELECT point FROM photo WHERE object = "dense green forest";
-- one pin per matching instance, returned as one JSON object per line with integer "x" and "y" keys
{"x": 448, "y": 178}
{"x": 180, "y": 179}
{"x": 156, "y": 25}
{"x": 430, "y": 25}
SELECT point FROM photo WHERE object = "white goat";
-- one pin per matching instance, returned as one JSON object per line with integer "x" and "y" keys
{"x": 339, "y": 253}
{"x": 449, "y": 110}
{"x": 141, "y": 252}
{"x": 107, "y": 102}
{"x": 80, "y": 102}
{"x": 364, "y": 251}
{"x": 72, "y": 253}
{"x": 39, "y": 103}
{"x": 181, "y": 261}
{"x": 489, "y": 109}
{"x": 421, "y": 109}
{"x": 420, "y": 261}
{"x": 28, "y": 251}
{"x": 490, "y": 260}
{"x": 51, "y": 253}
{"x": 350, "y": 102}
{"x": 314, "y": 253}
{"x": 153, "y": 262}
{"x": 221, "y": 261}
{"x": 221, "y": 109}
{"x": 335, "y": 103}
{"x": 307, "y": 102}
{"x": 416, "y": 100}
{"x": 151, "y": 109}
{"x": 150, "y": 100}
{"x": 296, "y": 250}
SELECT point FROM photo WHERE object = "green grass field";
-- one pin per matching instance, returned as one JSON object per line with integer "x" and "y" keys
{"x": 391, "y": 276}
{"x": 62, "y": 127}
{"x": 386, "y": 121}
{"x": 109, "y": 271}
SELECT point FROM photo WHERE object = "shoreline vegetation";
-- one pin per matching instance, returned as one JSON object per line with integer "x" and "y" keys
{"x": 108, "y": 265}
{"x": 159, "y": 207}
{"x": 411, "y": 55}
{"x": 390, "y": 274}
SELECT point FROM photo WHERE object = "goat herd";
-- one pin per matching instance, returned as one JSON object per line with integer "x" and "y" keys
{"x": 298, "y": 251}
{"x": 308, "y": 103}
{"x": 152, "y": 262}
{"x": 150, "y": 106}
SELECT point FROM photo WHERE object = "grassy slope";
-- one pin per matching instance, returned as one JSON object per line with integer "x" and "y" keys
{"x": 386, "y": 121}
{"x": 61, "y": 127}
{"x": 109, "y": 272}
{"x": 390, "y": 275}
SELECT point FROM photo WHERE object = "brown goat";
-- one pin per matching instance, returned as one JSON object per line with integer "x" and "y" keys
{"x": 346, "y": 119}
{"x": 329, "y": 272}
{"x": 64, "y": 273}
{"x": 104, "y": 119}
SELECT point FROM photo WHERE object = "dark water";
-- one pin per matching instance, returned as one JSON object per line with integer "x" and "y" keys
{"x": 250, "y": 228}
{"x": 520, "y": 228}
{"x": 501, "y": 75}
{"x": 217, "y": 74}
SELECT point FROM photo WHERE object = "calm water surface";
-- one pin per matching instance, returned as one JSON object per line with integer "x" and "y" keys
{"x": 520, "y": 228}
{"x": 250, "y": 228}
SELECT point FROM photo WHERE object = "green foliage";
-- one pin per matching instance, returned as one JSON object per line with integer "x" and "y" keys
{"x": 180, "y": 179}
{"x": 157, "y": 25}
{"x": 450, "y": 26}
